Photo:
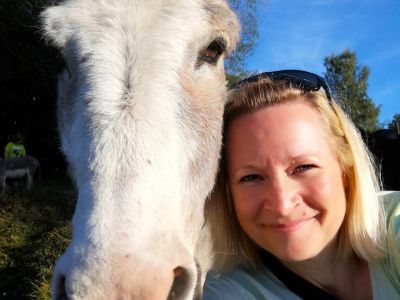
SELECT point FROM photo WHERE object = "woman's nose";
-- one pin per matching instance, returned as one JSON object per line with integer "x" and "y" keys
{"x": 281, "y": 196}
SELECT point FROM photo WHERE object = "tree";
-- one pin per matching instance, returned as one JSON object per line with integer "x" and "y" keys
{"x": 349, "y": 82}
{"x": 246, "y": 11}
{"x": 28, "y": 81}
{"x": 395, "y": 124}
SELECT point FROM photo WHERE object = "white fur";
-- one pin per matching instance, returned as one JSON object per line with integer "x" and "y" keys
{"x": 140, "y": 123}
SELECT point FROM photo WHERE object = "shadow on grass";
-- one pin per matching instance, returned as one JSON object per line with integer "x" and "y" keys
{"x": 34, "y": 231}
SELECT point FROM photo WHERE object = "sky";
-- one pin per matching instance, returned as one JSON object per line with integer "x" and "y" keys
{"x": 299, "y": 34}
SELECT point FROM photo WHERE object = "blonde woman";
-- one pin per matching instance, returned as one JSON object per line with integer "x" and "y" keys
{"x": 298, "y": 212}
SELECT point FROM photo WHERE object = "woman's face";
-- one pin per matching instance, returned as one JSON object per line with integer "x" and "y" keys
{"x": 286, "y": 183}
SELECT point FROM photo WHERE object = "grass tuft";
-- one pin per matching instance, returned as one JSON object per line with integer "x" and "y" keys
{"x": 34, "y": 230}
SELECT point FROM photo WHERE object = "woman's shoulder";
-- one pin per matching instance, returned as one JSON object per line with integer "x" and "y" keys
{"x": 220, "y": 286}
{"x": 243, "y": 284}
{"x": 391, "y": 201}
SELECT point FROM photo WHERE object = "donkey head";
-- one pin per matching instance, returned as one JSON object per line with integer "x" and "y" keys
{"x": 139, "y": 114}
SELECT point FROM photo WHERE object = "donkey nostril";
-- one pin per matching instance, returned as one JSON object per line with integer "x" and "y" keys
{"x": 178, "y": 271}
{"x": 60, "y": 291}
{"x": 181, "y": 284}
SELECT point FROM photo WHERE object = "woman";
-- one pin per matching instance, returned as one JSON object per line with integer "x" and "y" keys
{"x": 297, "y": 213}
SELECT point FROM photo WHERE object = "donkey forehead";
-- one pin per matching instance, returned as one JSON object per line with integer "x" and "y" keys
{"x": 90, "y": 21}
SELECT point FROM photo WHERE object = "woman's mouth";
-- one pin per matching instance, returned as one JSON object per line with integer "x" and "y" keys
{"x": 289, "y": 226}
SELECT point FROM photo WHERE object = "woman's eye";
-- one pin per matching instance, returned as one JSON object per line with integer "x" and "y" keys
{"x": 303, "y": 168}
{"x": 251, "y": 178}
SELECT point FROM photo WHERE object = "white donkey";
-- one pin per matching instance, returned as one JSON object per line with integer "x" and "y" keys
{"x": 18, "y": 167}
{"x": 139, "y": 114}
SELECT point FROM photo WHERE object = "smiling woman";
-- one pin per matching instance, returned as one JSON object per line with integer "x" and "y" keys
{"x": 302, "y": 196}
{"x": 286, "y": 187}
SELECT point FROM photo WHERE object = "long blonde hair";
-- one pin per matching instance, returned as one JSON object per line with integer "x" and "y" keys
{"x": 362, "y": 231}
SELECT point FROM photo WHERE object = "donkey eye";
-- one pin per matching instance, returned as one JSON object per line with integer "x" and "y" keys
{"x": 213, "y": 51}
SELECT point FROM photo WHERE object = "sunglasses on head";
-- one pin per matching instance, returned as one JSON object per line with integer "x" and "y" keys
{"x": 300, "y": 79}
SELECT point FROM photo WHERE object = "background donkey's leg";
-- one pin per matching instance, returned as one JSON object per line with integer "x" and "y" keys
{"x": 2, "y": 183}
{"x": 29, "y": 179}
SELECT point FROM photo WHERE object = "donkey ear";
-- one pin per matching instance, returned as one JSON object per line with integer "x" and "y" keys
{"x": 54, "y": 23}
{"x": 225, "y": 20}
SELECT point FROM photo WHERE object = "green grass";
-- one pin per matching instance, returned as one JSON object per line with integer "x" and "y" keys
{"x": 34, "y": 231}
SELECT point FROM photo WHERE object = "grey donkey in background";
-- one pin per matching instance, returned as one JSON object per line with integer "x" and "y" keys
{"x": 18, "y": 167}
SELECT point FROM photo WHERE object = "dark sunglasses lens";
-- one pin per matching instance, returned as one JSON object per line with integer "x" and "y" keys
{"x": 308, "y": 81}
{"x": 301, "y": 79}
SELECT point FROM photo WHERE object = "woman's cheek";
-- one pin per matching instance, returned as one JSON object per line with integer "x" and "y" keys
{"x": 246, "y": 203}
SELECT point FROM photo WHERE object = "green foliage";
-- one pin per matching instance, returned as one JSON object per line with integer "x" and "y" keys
{"x": 34, "y": 231}
{"x": 246, "y": 11}
{"x": 349, "y": 82}
{"x": 28, "y": 80}
{"x": 395, "y": 123}
{"x": 232, "y": 79}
